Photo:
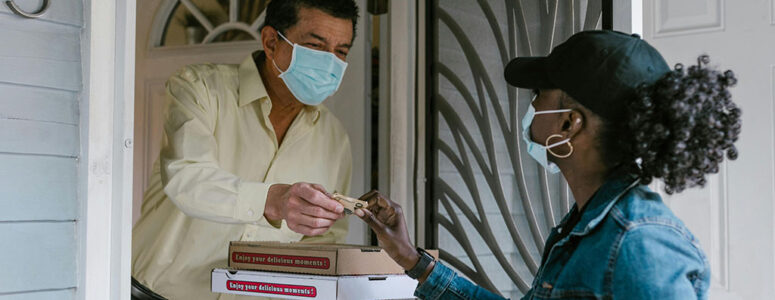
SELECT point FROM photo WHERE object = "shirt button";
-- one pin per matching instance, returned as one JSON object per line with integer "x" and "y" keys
{"x": 559, "y": 229}
{"x": 250, "y": 212}
{"x": 188, "y": 75}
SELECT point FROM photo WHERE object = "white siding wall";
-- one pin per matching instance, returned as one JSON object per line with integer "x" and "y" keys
{"x": 40, "y": 88}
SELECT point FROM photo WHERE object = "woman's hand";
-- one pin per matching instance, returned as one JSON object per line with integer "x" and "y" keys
{"x": 386, "y": 218}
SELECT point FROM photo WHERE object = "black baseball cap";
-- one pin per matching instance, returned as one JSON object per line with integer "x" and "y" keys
{"x": 601, "y": 69}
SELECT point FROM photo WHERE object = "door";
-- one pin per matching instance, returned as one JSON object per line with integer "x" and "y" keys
{"x": 490, "y": 205}
{"x": 175, "y": 33}
{"x": 733, "y": 215}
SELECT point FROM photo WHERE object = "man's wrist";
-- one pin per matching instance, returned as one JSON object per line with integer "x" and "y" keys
{"x": 271, "y": 208}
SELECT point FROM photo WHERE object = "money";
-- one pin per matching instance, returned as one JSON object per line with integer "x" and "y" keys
{"x": 350, "y": 204}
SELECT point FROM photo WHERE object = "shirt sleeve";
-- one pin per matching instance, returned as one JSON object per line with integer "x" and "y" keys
{"x": 191, "y": 176}
{"x": 659, "y": 262}
{"x": 443, "y": 283}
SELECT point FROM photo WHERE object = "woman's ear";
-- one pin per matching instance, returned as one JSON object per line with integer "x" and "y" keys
{"x": 269, "y": 39}
{"x": 572, "y": 123}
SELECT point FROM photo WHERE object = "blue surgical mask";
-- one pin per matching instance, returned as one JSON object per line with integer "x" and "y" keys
{"x": 536, "y": 150}
{"x": 313, "y": 75}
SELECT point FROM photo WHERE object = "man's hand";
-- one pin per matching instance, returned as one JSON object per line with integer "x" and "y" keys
{"x": 386, "y": 218}
{"x": 306, "y": 208}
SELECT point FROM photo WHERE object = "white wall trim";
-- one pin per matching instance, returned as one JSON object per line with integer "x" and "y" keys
{"x": 637, "y": 17}
{"x": 420, "y": 159}
{"x": 772, "y": 125}
{"x": 107, "y": 109}
{"x": 628, "y": 16}
{"x": 772, "y": 12}
{"x": 402, "y": 66}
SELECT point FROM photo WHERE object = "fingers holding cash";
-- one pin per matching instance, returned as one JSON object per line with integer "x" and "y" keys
{"x": 350, "y": 204}
{"x": 386, "y": 218}
{"x": 383, "y": 209}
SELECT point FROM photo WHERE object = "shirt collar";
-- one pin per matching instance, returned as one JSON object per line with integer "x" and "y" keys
{"x": 602, "y": 202}
{"x": 251, "y": 87}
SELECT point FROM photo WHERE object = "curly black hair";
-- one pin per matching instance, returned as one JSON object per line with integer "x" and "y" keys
{"x": 677, "y": 129}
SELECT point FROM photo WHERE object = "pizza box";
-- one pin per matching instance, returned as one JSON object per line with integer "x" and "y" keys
{"x": 318, "y": 259}
{"x": 305, "y": 286}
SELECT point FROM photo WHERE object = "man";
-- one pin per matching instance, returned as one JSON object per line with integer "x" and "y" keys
{"x": 249, "y": 152}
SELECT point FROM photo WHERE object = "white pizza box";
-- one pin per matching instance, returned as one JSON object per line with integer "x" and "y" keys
{"x": 304, "y": 286}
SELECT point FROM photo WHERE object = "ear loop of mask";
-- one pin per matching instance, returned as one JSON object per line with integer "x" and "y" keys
{"x": 546, "y": 111}
{"x": 552, "y": 111}
{"x": 549, "y": 147}
{"x": 284, "y": 38}
{"x": 289, "y": 65}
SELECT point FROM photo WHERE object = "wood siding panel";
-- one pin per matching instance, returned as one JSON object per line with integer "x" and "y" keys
{"x": 31, "y": 137}
{"x": 65, "y": 294}
{"x": 37, "y": 256}
{"x": 38, "y": 104}
{"x": 38, "y": 188}
{"x": 41, "y": 84}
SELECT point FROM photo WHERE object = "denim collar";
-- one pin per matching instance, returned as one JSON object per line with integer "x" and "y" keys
{"x": 601, "y": 203}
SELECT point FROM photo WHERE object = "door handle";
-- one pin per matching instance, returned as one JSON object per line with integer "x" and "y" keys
{"x": 17, "y": 10}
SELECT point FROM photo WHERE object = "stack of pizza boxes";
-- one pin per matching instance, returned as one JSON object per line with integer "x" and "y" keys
{"x": 312, "y": 271}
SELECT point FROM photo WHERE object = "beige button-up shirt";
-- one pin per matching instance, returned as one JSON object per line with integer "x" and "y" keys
{"x": 218, "y": 159}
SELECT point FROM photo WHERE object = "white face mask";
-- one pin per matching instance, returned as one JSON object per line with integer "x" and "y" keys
{"x": 536, "y": 150}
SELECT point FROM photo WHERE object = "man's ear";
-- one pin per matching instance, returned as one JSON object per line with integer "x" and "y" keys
{"x": 572, "y": 123}
{"x": 269, "y": 40}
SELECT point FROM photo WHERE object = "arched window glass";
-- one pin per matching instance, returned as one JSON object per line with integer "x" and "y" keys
{"x": 196, "y": 22}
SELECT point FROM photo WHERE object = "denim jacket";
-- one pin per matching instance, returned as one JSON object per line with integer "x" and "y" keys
{"x": 627, "y": 245}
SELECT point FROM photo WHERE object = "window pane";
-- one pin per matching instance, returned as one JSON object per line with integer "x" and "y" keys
{"x": 184, "y": 28}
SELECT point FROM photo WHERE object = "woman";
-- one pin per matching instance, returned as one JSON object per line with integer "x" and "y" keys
{"x": 611, "y": 115}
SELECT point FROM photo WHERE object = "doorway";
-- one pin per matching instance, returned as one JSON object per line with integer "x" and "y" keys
{"x": 175, "y": 33}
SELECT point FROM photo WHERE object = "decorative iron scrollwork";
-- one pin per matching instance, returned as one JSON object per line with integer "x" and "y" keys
{"x": 492, "y": 206}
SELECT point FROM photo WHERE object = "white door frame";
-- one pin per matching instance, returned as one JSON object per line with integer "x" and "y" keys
{"x": 105, "y": 166}
{"x": 400, "y": 62}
